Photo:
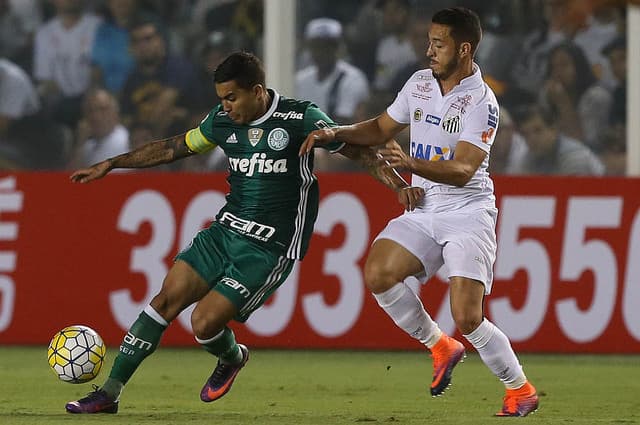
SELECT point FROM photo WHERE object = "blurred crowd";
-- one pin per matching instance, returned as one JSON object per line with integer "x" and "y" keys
{"x": 83, "y": 80}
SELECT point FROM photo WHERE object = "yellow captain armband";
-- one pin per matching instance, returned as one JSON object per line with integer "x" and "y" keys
{"x": 196, "y": 141}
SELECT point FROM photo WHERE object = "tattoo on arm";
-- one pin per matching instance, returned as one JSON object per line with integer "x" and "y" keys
{"x": 368, "y": 159}
{"x": 153, "y": 153}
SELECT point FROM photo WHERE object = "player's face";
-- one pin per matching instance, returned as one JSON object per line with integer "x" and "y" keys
{"x": 242, "y": 105}
{"x": 442, "y": 52}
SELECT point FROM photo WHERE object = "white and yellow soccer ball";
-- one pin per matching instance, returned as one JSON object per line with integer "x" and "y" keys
{"x": 76, "y": 354}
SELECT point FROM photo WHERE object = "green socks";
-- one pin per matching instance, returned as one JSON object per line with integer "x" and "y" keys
{"x": 141, "y": 340}
{"x": 223, "y": 346}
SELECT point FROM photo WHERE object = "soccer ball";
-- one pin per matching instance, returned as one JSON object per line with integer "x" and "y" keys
{"x": 76, "y": 354}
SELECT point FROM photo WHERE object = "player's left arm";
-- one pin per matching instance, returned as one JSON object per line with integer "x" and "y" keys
{"x": 473, "y": 146}
{"x": 456, "y": 172}
{"x": 368, "y": 159}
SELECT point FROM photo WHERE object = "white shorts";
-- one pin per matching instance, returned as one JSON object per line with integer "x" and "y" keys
{"x": 463, "y": 241}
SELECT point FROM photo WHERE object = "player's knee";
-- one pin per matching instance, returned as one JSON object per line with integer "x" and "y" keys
{"x": 199, "y": 324}
{"x": 205, "y": 324}
{"x": 466, "y": 321}
{"x": 378, "y": 277}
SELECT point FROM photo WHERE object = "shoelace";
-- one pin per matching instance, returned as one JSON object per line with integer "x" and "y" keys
{"x": 93, "y": 394}
{"x": 221, "y": 372}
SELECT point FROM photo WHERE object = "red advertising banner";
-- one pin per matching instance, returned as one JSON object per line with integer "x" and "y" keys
{"x": 567, "y": 275}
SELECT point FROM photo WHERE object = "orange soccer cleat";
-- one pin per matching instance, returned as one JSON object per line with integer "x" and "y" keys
{"x": 447, "y": 353}
{"x": 520, "y": 402}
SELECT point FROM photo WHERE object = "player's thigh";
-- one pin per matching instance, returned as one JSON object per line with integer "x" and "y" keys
{"x": 181, "y": 287}
{"x": 254, "y": 274}
{"x": 414, "y": 250}
{"x": 388, "y": 263}
{"x": 469, "y": 245}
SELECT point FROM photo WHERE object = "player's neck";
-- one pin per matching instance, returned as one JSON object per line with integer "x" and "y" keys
{"x": 464, "y": 71}
{"x": 265, "y": 102}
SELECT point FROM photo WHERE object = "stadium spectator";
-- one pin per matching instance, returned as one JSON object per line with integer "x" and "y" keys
{"x": 394, "y": 51}
{"x": 573, "y": 93}
{"x": 362, "y": 36}
{"x": 28, "y": 138}
{"x": 562, "y": 20}
{"x": 18, "y": 96}
{"x": 602, "y": 27}
{"x": 216, "y": 47}
{"x": 418, "y": 33}
{"x": 110, "y": 54}
{"x": 333, "y": 84}
{"x": 550, "y": 151}
{"x": 614, "y": 146}
{"x": 509, "y": 149}
{"x": 19, "y": 20}
{"x": 62, "y": 59}
{"x": 452, "y": 116}
{"x": 99, "y": 134}
{"x": 163, "y": 89}
{"x": 18, "y": 100}
{"x": 231, "y": 268}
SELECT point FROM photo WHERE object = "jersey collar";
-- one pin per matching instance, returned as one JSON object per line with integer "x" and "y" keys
{"x": 275, "y": 98}
{"x": 472, "y": 81}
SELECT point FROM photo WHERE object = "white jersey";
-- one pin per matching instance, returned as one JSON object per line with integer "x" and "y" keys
{"x": 63, "y": 55}
{"x": 467, "y": 113}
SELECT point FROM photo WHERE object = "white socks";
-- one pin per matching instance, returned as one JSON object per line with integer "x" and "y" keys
{"x": 496, "y": 352}
{"x": 407, "y": 311}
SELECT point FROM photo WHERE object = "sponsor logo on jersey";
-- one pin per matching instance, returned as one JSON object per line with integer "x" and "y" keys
{"x": 488, "y": 135}
{"x": 289, "y": 115}
{"x": 237, "y": 286}
{"x": 232, "y": 138}
{"x": 258, "y": 163}
{"x": 254, "y": 135}
{"x": 461, "y": 104}
{"x": 424, "y": 88}
{"x": 278, "y": 139}
{"x": 492, "y": 121}
{"x": 424, "y": 77}
{"x": 452, "y": 124}
{"x": 432, "y": 119}
{"x": 430, "y": 152}
{"x": 220, "y": 114}
{"x": 417, "y": 115}
{"x": 249, "y": 228}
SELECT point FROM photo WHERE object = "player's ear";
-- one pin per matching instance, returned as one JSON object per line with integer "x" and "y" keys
{"x": 258, "y": 90}
{"x": 465, "y": 49}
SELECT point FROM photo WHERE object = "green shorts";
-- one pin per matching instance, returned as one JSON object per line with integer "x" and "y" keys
{"x": 240, "y": 269}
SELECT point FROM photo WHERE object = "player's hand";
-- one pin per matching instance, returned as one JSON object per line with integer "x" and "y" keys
{"x": 410, "y": 197}
{"x": 317, "y": 137}
{"x": 94, "y": 172}
{"x": 393, "y": 156}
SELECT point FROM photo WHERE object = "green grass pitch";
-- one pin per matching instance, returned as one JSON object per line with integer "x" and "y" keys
{"x": 326, "y": 387}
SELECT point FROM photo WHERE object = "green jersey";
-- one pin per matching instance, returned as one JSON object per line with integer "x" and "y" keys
{"x": 273, "y": 196}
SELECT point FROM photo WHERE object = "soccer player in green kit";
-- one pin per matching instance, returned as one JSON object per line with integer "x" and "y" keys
{"x": 233, "y": 266}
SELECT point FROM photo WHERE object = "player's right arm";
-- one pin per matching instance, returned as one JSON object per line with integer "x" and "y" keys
{"x": 195, "y": 141}
{"x": 373, "y": 132}
{"x": 149, "y": 155}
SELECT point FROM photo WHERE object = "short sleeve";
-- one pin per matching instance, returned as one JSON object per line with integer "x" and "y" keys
{"x": 480, "y": 126}
{"x": 314, "y": 119}
{"x": 399, "y": 109}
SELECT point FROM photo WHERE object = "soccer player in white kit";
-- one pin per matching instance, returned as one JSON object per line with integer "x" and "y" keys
{"x": 453, "y": 116}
